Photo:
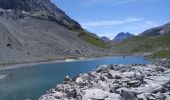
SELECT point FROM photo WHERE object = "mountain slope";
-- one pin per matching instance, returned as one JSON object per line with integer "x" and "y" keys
{"x": 39, "y": 8}
{"x": 36, "y": 30}
{"x": 140, "y": 44}
{"x": 122, "y": 36}
{"x": 161, "y": 30}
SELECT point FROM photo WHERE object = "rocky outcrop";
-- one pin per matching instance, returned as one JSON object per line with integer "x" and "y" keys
{"x": 162, "y": 62}
{"x": 157, "y": 31}
{"x": 115, "y": 82}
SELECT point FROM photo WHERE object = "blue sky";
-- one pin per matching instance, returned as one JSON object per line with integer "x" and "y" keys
{"x": 109, "y": 17}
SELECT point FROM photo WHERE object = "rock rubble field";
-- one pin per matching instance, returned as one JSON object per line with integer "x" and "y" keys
{"x": 115, "y": 82}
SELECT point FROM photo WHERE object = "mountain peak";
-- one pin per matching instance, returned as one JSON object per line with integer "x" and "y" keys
{"x": 123, "y": 35}
{"x": 104, "y": 38}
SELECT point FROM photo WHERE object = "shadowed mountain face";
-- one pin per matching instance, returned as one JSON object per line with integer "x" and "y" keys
{"x": 40, "y": 8}
{"x": 161, "y": 30}
{"x": 104, "y": 38}
{"x": 122, "y": 36}
{"x": 35, "y": 30}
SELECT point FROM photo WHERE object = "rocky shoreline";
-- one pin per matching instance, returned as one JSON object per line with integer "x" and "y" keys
{"x": 115, "y": 82}
{"x": 161, "y": 62}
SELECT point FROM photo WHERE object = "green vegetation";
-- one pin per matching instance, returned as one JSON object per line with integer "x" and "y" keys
{"x": 161, "y": 54}
{"x": 86, "y": 36}
{"x": 92, "y": 39}
{"x": 143, "y": 44}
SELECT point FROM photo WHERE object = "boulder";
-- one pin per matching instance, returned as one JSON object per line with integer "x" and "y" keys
{"x": 129, "y": 74}
{"x": 141, "y": 97}
{"x": 114, "y": 96}
{"x": 101, "y": 68}
{"x": 95, "y": 94}
{"x": 115, "y": 74}
{"x": 128, "y": 95}
{"x": 114, "y": 89}
{"x": 167, "y": 86}
{"x": 79, "y": 80}
{"x": 72, "y": 93}
{"x": 67, "y": 79}
{"x": 134, "y": 83}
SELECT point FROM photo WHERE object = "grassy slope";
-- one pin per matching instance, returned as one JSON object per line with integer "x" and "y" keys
{"x": 92, "y": 39}
{"x": 86, "y": 36}
{"x": 161, "y": 54}
{"x": 143, "y": 44}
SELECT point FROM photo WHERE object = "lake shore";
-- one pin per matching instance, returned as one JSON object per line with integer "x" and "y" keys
{"x": 115, "y": 82}
{"x": 19, "y": 65}
{"x": 67, "y": 59}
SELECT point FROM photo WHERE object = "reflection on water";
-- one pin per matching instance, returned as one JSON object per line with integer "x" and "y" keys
{"x": 2, "y": 76}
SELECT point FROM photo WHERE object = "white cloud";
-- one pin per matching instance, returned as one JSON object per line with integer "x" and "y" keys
{"x": 135, "y": 28}
{"x": 110, "y": 22}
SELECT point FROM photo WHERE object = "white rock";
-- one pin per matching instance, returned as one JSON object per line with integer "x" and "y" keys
{"x": 129, "y": 74}
{"x": 142, "y": 96}
{"x": 115, "y": 73}
{"x": 114, "y": 96}
{"x": 102, "y": 66}
{"x": 79, "y": 80}
{"x": 95, "y": 94}
{"x": 104, "y": 85}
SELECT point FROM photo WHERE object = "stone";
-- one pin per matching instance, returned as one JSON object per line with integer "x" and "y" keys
{"x": 141, "y": 97}
{"x": 128, "y": 95}
{"x": 67, "y": 79}
{"x": 101, "y": 68}
{"x": 150, "y": 97}
{"x": 72, "y": 93}
{"x": 114, "y": 89}
{"x": 95, "y": 94}
{"x": 167, "y": 86}
{"x": 114, "y": 96}
{"x": 133, "y": 83}
{"x": 79, "y": 80}
{"x": 129, "y": 74}
{"x": 115, "y": 74}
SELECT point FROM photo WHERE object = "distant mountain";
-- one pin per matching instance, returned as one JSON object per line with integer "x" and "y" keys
{"x": 122, "y": 36}
{"x": 161, "y": 30}
{"x": 37, "y": 30}
{"x": 104, "y": 38}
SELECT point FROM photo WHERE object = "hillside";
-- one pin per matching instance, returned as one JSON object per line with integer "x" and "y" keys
{"x": 37, "y": 30}
{"x": 161, "y": 30}
{"x": 140, "y": 44}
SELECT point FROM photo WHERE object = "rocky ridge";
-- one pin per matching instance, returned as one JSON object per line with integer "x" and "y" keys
{"x": 115, "y": 82}
{"x": 42, "y": 9}
{"x": 157, "y": 31}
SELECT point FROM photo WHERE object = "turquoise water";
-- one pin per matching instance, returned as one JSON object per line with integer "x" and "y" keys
{"x": 33, "y": 81}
